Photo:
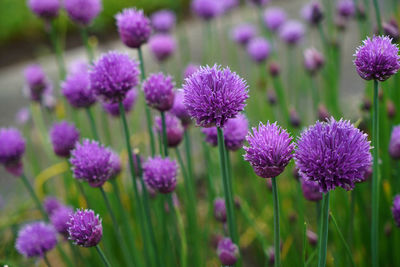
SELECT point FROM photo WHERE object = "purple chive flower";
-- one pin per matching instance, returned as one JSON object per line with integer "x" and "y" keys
{"x": 311, "y": 190}
{"x": 83, "y": 12}
{"x": 133, "y": 26}
{"x": 220, "y": 210}
{"x": 211, "y": 135}
{"x": 292, "y": 32}
{"x": 394, "y": 145}
{"x": 51, "y": 204}
{"x": 213, "y": 95}
{"x": 116, "y": 164}
{"x": 160, "y": 174}
{"x": 396, "y": 210}
{"x": 128, "y": 102}
{"x": 37, "y": 82}
{"x": 113, "y": 75}
{"x": 312, "y": 238}
{"x": 59, "y": 219}
{"x": 45, "y": 9}
{"x": 228, "y": 5}
{"x": 12, "y": 148}
{"x": 333, "y": 153}
{"x": 190, "y": 69}
{"x": 179, "y": 109}
{"x": 91, "y": 162}
{"x": 312, "y": 13}
{"x": 346, "y": 8}
{"x": 259, "y": 2}
{"x": 23, "y": 115}
{"x": 274, "y": 18}
{"x": 84, "y": 228}
{"x": 235, "y": 131}
{"x": 227, "y": 252}
{"x": 391, "y": 29}
{"x": 174, "y": 129}
{"x": 294, "y": 118}
{"x": 258, "y": 49}
{"x": 163, "y": 20}
{"x": 35, "y": 239}
{"x": 77, "y": 90}
{"x": 162, "y": 45}
{"x": 207, "y": 9}
{"x": 377, "y": 58}
{"x": 243, "y": 33}
{"x": 313, "y": 60}
{"x": 63, "y": 136}
{"x": 269, "y": 151}
{"x": 159, "y": 91}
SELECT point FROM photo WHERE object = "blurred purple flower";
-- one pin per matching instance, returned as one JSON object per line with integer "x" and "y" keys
{"x": 207, "y": 9}
{"x": 163, "y": 20}
{"x": 160, "y": 174}
{"x": 274, "y": 18}
{"x": 394, "y": 145}
{"x": 37, "y": 82}
{"x": 35, "y": 239}
{"x": 174, "y": 129}
{"x": 346, "y": 8}
{"x": 59, "y": 219}
{"x": 12, "y": 148}
{"x": 190, "y": 69}
{"x": 313, "y": 60}
{"x": 128, "y": 102}
{"x": 159, "y": 91}
{"x": 220, "y": 210}
{"x": 133, "y": 26}
{"x": 227, "y": 251}
{"x": 83, "y": 12}
{"x": 23, "y": 115}
{"x": 45, "y": 9}
{"x": 162, "y": 45}
{"x": 311, "y": 190}
{"x": 312, "y": 12}
{"x": 243, "y": 33}
{"x": 259, "y": 49}
{"x": 292, "y": 32}
{"x": 51, "y": 204}
{"x": 179, "y": 109}
{"x": 63, "y": 136}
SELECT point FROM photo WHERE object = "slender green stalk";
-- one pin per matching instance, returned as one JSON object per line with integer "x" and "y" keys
{"x": 188, "y": 152}
{"x": 58, "y": 50}
{"x": 147, "y": 110}
{"x": 106, "y": 127}
{"x": 315, "y": 95}
{"x": 276, "y": 223}
{"x": 227, "y": 186}
{"x": 304, "y": 243}
{"x": 85, "y": 39}
{"x": 280, "y": 93}
{"x": 346, "y": 246}
{"x": 378, "y": 16}
{"x": 323, "y": 231}
{"x": 164, "y": 134}
{"x": 46, "y": 260}
{"x": 183, "y": 250}
{"x": 375, "y": 179}
{"x": 312, "y": 255}
{"x": 92, "y": 123}
{"x": 34, "y": 196}
{"x": 210, "y": 186}
{"x": 103, "y": 256}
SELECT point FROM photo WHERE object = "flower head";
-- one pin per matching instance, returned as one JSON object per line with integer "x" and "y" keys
{"x": 228, "y": 5}
{"x": 235, "y": 131}
{"x": 311, "y": 190}
{"x": 134, "y": 27}
{"x": 227, "y": 252}
{"x": 162, "y": 45}
{"x": 63, "y": 136}
{"x": 163, "y": 20}
{"x": 394, "y": 145}
{"x": 12, "y": 148}
{"x": 82, "y": 11}
{"x": 158, "y": 91}
{"x": 243, "y": 33}
{"x": 115, "y": 164}
{"x": 35, "y": 239}
{"x": 207, "y": 9}
{"x": 128, "y": 102}
{"x": 346, "y": 8}
{"x": 91, "y": 162}
{"x": 160, "y": 174}
{"x": 333, "y": 153}
{"x": 51, "y": 204}
{"x": 313, "y": 60}
{"x": 174, "y": 129}
{"x": 292, "y": 32}
{"x": 59, "y": 219}
{"x": 312, "y": 12}
{"x": 179, "y": 109}
{"x": 258, "y": 49}
{"x": 113, "y": 75}
{"x": 84, "y": 228}
{"x": 190, "y": 69}
{"x": 396, "y": 210}
{"x": 213, "y": 95}
{"x": 269, "y": 151}
{"x": 377, "y": 58}
{"x": 37, "y": 82}
{"x": 220, "y": 210}
{"x": 45, "y": 9}
{"x": 274, "y": 18}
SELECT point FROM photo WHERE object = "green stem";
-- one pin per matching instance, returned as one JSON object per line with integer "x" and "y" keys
{"x": 92, "y": 123}
{"x": 304, "y": 243}
{"x": 315, "y": 95}
{"x": 346, "y": 246}
{"x": 375, "y": 179}
{"x": 34, "y": 196}
{"x": 58, "y": 50}
{"x": 147, "y": 110}
{"x": 378, "y": 16}
{"x": 210, "y": 186}
{"x": 188, "y": 152}
{"x": 181, "y": 229}
{"x": 164, "y": 134}
{"x": 82, "y": 191}
{"x": 276, "y": 223}
{"x": 323, "y": 231}
{"x": 280, "y": 93}
{"x": 85, "y": 39}
{"x": 106, "y": 127}
{"x": 103, "y": 256}
{"x": 46, "y": 260}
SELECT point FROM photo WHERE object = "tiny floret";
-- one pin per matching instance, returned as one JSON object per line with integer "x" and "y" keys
{"x": 160, "y": 174}
{"x": 84, "y": 228}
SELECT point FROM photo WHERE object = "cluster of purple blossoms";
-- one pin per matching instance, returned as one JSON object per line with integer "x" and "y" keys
{"x": 159, "y": 91}
{"x": 259, "y": 49}
{"x": 174, "y": 129}
{"x": 12, "y": 148}
{"x": 211, "y": 135}
{"x": 312, "y": 238}
{"x": 377, "y": 59}
{"x": 312, "y": 13}
{"x": 63, "y": 136}
{"x": 213, "y": 95}
{"x": 163, "y": 20}
{"x": 269, "y": 151}
{"x": 134, "y": 27}
{"x": 346, "y": 8}
{"x": 35, "y": 239}
{"x": 391, "y": 29}
{"x": 311, "y": 190}
{"x": 179, "y": 109}
{"x": 116, "y": 165}
{"x": 333, "y": 153}
{"x": 59, "y": 219}
{"x": 84, "y": 228}
{"x": 128, "y": 103}
{"x": 37, "y": 82}
{"x": 396, "y": 210}
{"x": 313, "y": 60}
{"x": 113, "y": 75}
{"x": 243, "y": 33}
{"x": 51, "y": 204}
{"x": 274, "y": 18}
{"x": 190, "y": 69}
{"x": 45, "y": 9}
{"x": 227, "y": 251}
{"x": 162, "y": 45}
{"x": 292, "y": 32}
{"x": 83, "y": 12}
{"x": 207, "y": 9}
{"x": 220, "y": 210}
{"x": 160, "y": 174}
{"x": 394, "y": 145}
{"x": 91, "y": 162}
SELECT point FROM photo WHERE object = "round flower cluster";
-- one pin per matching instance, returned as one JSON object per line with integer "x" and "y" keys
{"x": 160, "y": 174}
{"x": 158, "y": 91}
{"x": 84, "y": 228}
{"x": 134, "y": 27}
{"x": 63, "y": 136}
{"x": 82, "y": 11}
{"x": 12, "y": 148}
{"x": 174, "y": 129}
